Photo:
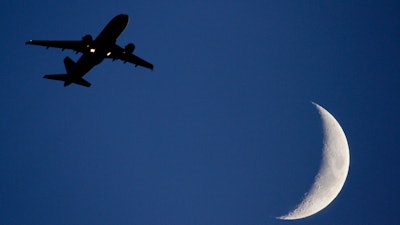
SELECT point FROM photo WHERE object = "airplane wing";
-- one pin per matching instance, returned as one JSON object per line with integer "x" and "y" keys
{"x": 123, "y": 55}
{"x": 77, "y": 46}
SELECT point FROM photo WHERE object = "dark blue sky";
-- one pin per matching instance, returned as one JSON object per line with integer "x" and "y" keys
{"x": 221, "y": 132}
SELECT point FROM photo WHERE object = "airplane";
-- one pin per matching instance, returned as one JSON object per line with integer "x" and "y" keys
{"x": 94, "y": 52}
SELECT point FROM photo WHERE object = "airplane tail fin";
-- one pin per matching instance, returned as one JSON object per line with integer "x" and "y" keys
{"x": 67, "y": 79}
{"x": 69, "y": 64}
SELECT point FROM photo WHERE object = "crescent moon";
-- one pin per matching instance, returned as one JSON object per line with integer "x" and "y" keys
{"x": 333, "y": 171}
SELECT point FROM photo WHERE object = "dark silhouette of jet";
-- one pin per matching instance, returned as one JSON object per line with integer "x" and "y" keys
{"x": 94, "y": 52}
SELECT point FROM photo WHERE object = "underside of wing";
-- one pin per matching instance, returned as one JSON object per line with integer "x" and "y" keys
{"x": 137, "y": 61}
{"x": 77, "y": 46}
{"x": 126, "y": 56}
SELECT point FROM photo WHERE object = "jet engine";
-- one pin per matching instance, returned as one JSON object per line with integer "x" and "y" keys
{"x": 129, "y": 48}
{"x": 87, "y": 39}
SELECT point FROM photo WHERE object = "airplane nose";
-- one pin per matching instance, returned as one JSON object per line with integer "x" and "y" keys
{"x": 121, "y": 19}
{"x": 123, "y": 16}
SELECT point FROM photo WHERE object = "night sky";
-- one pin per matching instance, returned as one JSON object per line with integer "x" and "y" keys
{"x": 221, "y": 132}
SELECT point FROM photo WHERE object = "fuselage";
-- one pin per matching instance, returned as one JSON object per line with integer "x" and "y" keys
{"x": 100, "y": 47}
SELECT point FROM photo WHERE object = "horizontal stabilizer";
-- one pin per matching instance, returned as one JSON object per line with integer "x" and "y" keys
{"x": 61, "y": 77}
{"x": 82, "y": 82}
{"x": 67, "y": 79}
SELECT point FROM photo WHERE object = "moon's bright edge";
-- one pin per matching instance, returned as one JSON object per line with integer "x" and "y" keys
{"x": 333, "y": 171}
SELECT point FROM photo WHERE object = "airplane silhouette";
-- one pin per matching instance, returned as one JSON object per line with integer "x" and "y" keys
{"x": 94, "y": 52}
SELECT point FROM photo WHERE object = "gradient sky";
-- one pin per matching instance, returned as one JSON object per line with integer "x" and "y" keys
{"x": 221, "y": 132}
